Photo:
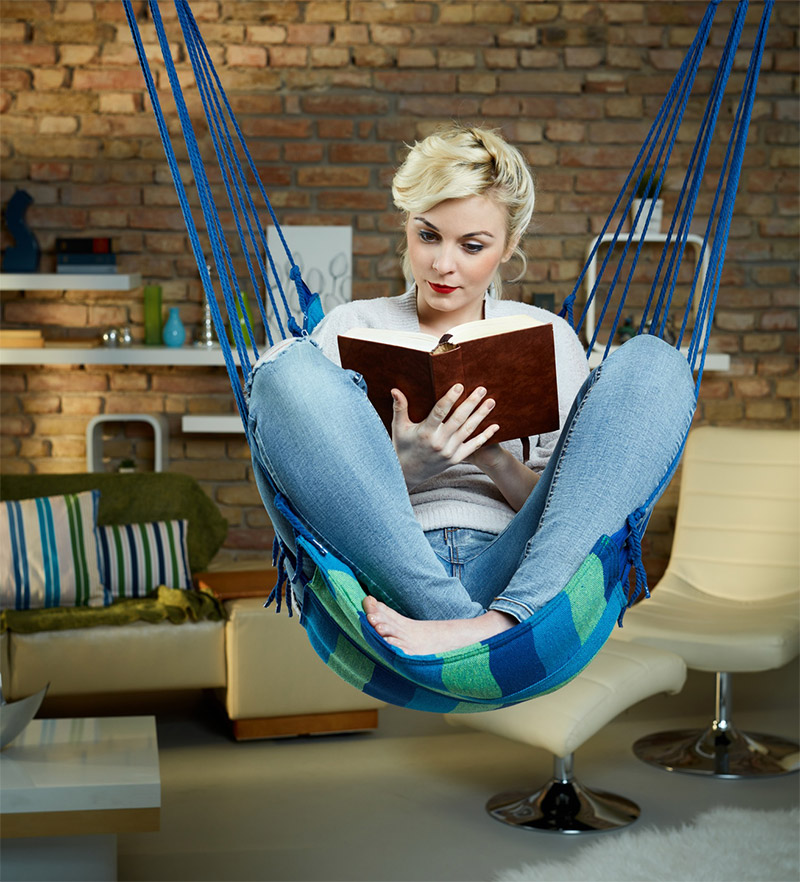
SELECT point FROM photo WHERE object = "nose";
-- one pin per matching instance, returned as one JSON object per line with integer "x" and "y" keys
{"x": 444, "y": 261}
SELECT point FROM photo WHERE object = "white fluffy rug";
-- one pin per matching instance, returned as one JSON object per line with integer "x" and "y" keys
{"x": 721, "y": 845}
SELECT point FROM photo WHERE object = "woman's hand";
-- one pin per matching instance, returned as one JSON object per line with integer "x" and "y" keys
{"x": 425, "y": 449}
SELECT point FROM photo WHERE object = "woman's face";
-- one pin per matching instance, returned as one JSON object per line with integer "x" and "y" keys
{"x": 455, "y": 249}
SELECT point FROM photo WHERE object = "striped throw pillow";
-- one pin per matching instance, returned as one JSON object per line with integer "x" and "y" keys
{"x": 50, "y": 557}
{"x": 136, "y": 558}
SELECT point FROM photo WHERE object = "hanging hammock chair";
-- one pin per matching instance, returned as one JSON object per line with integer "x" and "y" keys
{"x": 548, "y": 649}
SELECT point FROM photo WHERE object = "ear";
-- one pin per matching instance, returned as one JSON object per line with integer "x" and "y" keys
{"x": 510, "y": 249}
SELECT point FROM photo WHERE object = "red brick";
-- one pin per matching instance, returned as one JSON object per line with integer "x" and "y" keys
{"x": 457, "y": 58}
{"x": 453, "y": 35}
{"x": 416, "y": 57}
{"x": 372, "y": 56}
{"x": 500, "y": 58}
{"x": 334, "y": 128}
{"x": 351, "y": 34}
{"x": 402, "y": 12}
{"x": 346, "y": 105}
{"x": 37, "y": 404}
{"x": 246, "y": 56}
{"x": 413, "y": 82}
{"x": 333, "y": 177}
{"x": 15, "y": 425}
{"x": 28, "y": 54}
{"x": 288, "y": 56}
{"x": 359, "y": 153}
{"x": 308, "y": 34}
{"x": 329, "y": 56}
{"x": 361, "y": 201}
{"x": 784, "y": 320}
{"x": 518, "y": 37}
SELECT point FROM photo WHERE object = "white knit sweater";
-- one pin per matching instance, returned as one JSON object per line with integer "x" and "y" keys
{"x": 462, "y": 495}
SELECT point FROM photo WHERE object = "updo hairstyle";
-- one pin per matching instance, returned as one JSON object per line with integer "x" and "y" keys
{"x": 466, "y": 161}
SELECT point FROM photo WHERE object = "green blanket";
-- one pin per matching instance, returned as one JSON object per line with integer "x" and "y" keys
{"x": 160, "y": 605}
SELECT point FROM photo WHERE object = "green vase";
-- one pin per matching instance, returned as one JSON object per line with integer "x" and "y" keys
{"x": 242, "y": 323}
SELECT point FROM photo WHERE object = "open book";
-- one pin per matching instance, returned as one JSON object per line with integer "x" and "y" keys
{"x": 512, "y": 356}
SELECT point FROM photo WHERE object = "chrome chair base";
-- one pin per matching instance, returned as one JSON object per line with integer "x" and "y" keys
{"x": 722, "y": 753}
{"x": 563, "y": 807}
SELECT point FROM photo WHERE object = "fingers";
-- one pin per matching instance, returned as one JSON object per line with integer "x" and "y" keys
{"x": 474, "y": 444}
{"x": 472, "y": 412}
{"x": 445, "y": 404}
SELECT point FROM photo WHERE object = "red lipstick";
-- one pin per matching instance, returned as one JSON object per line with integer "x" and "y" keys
{"x": 442, "y": 289}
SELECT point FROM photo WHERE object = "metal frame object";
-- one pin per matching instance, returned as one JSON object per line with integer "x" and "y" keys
{"x": 563, "y": 805}
{"x": 721, "y": 750}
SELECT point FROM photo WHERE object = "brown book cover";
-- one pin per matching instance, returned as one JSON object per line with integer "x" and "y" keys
{"x": 516, "y": 366}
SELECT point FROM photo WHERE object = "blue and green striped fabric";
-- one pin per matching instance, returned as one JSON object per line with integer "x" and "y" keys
{"x": 537, "y": 656}
{"x": 137, "y": 558}
{"x": 50, "y": 552}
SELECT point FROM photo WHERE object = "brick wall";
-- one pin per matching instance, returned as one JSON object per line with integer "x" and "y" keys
{"x": 327, "y": 92}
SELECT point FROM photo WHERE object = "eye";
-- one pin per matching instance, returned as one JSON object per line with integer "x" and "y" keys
{"x": 473, "y": 247}
{"x": 427, "y": 236}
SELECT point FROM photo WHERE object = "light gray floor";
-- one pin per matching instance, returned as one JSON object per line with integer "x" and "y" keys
{"x": 406, "y": 802}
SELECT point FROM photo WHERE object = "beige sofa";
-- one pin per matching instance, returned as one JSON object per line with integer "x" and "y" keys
{"x": 259, "y": 664}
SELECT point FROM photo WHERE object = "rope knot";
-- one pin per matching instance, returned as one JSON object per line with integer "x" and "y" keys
{"x": 636, "y": 523}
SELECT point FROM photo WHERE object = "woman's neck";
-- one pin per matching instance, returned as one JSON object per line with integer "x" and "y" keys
{"x": 437, "y": 323}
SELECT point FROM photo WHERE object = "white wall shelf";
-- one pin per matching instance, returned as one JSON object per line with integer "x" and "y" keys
{"x": 213, "y": 425}
{"x": 178, "y": 356}
{"x": 69, "y": 281}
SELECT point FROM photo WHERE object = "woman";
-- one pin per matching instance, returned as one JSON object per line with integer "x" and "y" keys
{"x": 458, "y": 539}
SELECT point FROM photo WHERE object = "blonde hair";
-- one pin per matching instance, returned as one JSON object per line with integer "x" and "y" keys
{"x": 467, "y": 161}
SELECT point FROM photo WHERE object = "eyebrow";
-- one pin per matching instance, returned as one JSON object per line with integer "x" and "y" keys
{"x": 465, "y": 236}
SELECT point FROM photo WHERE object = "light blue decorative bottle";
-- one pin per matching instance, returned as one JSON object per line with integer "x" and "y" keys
{"x": 174, "y": 331}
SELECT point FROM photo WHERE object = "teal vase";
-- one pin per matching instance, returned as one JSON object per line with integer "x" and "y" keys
{"x": 174, "y": 331}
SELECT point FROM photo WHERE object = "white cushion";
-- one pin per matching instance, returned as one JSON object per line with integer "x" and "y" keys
{"x": 715, "y": 634}
{"x": 737, "y": 533}
{"x": 136, "y": 657}
{"x": 273, "y": 670}
{"x": 619, "y": 676}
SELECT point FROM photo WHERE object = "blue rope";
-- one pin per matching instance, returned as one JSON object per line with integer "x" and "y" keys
{"x": 219, "y": 325}
{"x": 656, "y": 152}
{"x": 204, "y": 72}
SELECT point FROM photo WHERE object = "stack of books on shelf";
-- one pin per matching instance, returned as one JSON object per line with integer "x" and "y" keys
{"x": 11, "y": 338}
{"x": 85, "y": 255}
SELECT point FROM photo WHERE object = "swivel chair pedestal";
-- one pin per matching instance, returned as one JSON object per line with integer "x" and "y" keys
{"x": 721, "y": 750}
{"x": 563, "y": 805}
{"x": 619, "y": 676}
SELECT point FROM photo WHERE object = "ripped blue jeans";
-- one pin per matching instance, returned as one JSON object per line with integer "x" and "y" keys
{"x": 317, "y": 441}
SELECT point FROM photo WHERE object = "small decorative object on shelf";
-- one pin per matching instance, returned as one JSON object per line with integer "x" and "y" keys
{"x": 111, "y": 338}
{"x": 86, "y": 255}
{"x": 152, "y": 315}
{"x": 24, "y": 255}
{"x": 126, "y": 467}
{"x": 626, "y": 330}
{"x": 174, "y": 331}
{"x": 207, "y": 340}
{"x": 243, "y": 323}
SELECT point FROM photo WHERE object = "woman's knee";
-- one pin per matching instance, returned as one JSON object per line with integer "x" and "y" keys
{"x": 647, "y": 356}
{"x": 291, "y": 362}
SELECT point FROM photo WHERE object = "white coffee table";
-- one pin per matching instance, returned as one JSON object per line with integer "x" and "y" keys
{"x": 68, "y": 787}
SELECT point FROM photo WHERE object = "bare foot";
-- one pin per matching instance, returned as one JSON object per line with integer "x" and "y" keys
{"x": 417, "y": 637}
